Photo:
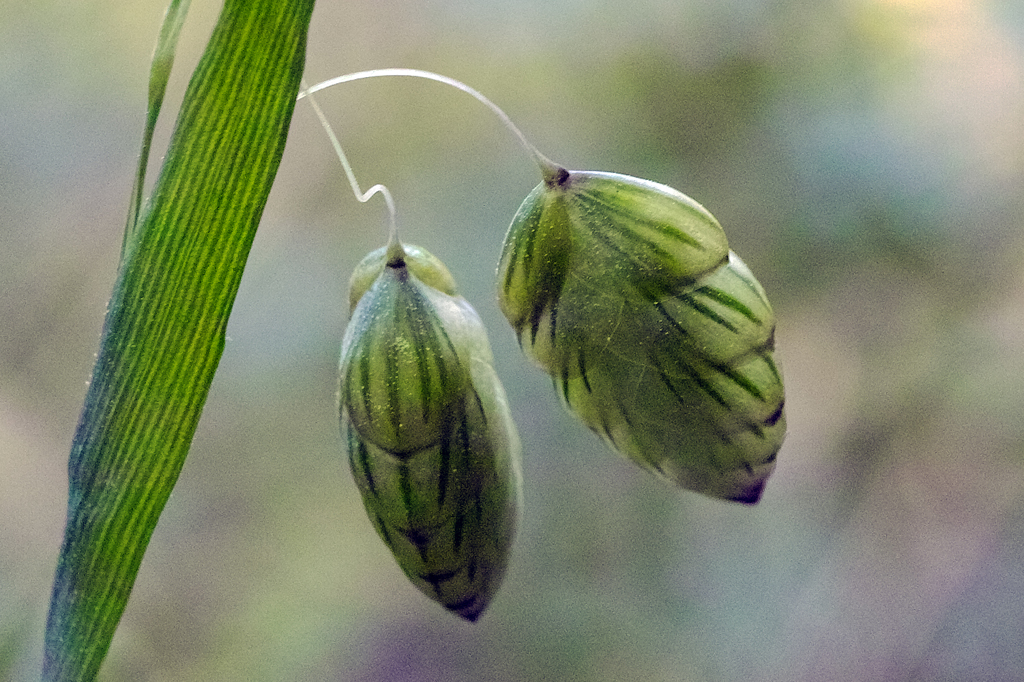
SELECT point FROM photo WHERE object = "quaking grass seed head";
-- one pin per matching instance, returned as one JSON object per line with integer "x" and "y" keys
{"x": 594, "y": 230}
{"x": 428, "y": 431}
{"x": 654, "y": 333}
{"x": 400, "y": 368}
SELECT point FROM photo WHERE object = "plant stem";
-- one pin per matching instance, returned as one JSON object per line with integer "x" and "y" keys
{"x": 549, "y": 169}
{"x": 362, "y": 197}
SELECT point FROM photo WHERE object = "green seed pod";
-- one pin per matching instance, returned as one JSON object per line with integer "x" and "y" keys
{"x": 400, "y": 368}
{"x": 656, "y": 335}
{"x": 428, "y": 431}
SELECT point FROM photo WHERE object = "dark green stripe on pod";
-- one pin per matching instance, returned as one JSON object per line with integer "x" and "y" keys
{"x": 400, "y": 370}
{"x": 656, "y": 335}
{"x": 429, "y": 435}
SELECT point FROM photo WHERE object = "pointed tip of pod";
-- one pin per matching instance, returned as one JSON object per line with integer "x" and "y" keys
{"x": 751, "y": 495}
{"x": 470, "y": 615}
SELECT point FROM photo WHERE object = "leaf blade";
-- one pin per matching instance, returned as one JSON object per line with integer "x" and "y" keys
{"x": 164, "y": 331}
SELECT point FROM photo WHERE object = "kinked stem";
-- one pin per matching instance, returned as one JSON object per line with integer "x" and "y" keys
{"x": 550, "y": 170}
{"x": 363, "y": 197}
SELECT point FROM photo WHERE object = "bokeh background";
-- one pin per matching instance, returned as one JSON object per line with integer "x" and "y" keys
{"x": 867, "y": 160}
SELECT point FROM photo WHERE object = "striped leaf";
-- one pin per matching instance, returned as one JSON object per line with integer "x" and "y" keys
{"x": 656, "y": 335}
{"x": 182, "y": 260}
{"x": 428, "y": 431}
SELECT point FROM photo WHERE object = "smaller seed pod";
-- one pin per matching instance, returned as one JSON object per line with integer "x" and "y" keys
{"x": 427, "y": 428}
{"x": 400, "y": 368}
{"x": 656, "y": 335}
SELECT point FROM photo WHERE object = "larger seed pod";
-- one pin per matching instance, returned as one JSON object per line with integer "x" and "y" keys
{"x": 655, "y": 334}
{"x": 428, "y": 431}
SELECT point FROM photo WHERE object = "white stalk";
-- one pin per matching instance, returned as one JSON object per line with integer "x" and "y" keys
{"x": 548, "y": 167}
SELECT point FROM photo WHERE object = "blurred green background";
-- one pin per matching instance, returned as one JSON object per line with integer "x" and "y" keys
{"x": 866, "y": 158}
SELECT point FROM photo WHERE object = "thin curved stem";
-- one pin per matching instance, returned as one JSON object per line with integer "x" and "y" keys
{"x": 363, "y": 197}
{"x": 549, "y": 169}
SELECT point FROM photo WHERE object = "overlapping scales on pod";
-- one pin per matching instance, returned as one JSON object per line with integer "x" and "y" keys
{"x": 427, "y": 427}
{"x": 656, "y": 335}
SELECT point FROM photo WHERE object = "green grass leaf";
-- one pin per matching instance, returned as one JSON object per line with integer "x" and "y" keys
{"x": 159, "y": 75}
{"x": 164, "y": 331}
